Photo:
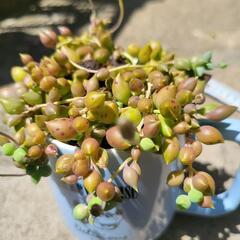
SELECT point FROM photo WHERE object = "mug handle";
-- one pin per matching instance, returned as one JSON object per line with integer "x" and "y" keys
{"x": 229, "y": 200}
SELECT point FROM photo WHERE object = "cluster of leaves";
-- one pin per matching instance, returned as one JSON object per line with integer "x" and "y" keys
{"x": 91, "y": 92}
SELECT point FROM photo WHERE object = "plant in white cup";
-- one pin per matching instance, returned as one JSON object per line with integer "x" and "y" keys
{"x": 95, "y": 95}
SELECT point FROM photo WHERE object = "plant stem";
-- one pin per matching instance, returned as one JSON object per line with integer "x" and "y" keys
{"x": 81, "y": 67}
{"x": 119, "y": 169}
{"x": 139, "y": 126}
{"x": 94, "y": 166}
{"x": 111, "y": 69}
{"x": 148, "y": 92}
{"x": 61, "y": 44}
{"x": 9, "y": 137}
{"x": 37, "y": 107}
{"x": 129, "y": 66}
{"x": 93, "y": 10}
{"x": 131, "y": 59}
{"x": 121, "y": 17}
{"x": 96, "y": 41}
{"x": 191, "y": 171}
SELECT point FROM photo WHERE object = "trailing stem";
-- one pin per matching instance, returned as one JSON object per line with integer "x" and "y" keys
{"x": 37, "y": 107}
{"x": 119, "y": 169}
{"x": 8, "y": 137}
{"x": 120, "y": 18}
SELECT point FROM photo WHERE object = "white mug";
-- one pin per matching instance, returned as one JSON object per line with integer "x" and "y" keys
{"x": 144, "y": 215}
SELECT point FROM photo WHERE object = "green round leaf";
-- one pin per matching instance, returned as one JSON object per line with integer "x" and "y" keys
{"x": 80, "y": 212}
{"x": 32, "y": 98}
{"x": 147, "y": 144}
{"x": 8, "y": 149}
{"x": 12, "y": 105}
{"x": 200, "y": 71}
{"x": 19, "y": 154}
{"x": 18, "y": 74}
{"x": 207, "y": 56}
{"x": 183, "y": 202}
{"x": 195, "y": 196}
{"x": 95, "y": 201}
{"x": 36, "y": 177}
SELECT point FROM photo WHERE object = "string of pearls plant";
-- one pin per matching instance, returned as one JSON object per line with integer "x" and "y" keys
{"x": 95, "y": 95}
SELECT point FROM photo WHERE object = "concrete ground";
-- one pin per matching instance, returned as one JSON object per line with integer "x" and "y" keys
{"x": 187, "y": 27}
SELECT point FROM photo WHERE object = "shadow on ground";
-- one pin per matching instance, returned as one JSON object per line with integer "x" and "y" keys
{"x": 205, "y": 228}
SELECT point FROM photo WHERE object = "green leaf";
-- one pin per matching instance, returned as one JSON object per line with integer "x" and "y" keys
{"x": 110, "y": 205}
{"x": 183, "y": 202}
{"x": 132, "y": 114}
{"x": 210, "y": 66}
{"x": 207, "y": 56}
{"x": 165, "y": 128}
{"x": 182, "y": 64}
{"x": 45, "y": 170}
{"x": 91, "y": 219}
{"x": 120, "y": 89}
{"x": 40, "y": 120}
{"x": 170, "y": 149}
{"x": 95, "y": 201}
{"x": 18, "y": 73}
{"x": 120, "y": 104}
{"x": 206, "y": 108}
{"x": 147, "y": 144}
{"x": 19, "y": 154}
{"x": 158, "y": 139}
{"x": 12, "y": 105}
{"x": 31, "y": 169}
{"x": 80, "y": 212}
{"x": 162, "y": 67}
{"x": 195, "y": 196}
{"x": 200, "y": 71}
{"x": 131, "y": 59}
{"x": 197, "y": 62}
{"x": 79, "y": 136}
{"x": 8, "y": 149}
{"x": 36, "y": 177}
{"x": 32, "y": 98}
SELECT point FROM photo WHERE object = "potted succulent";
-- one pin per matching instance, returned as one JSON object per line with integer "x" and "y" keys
{"x": 109, "y": 124}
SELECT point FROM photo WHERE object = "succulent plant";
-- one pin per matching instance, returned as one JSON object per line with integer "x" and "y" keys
{"x": 89, "y": 92}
